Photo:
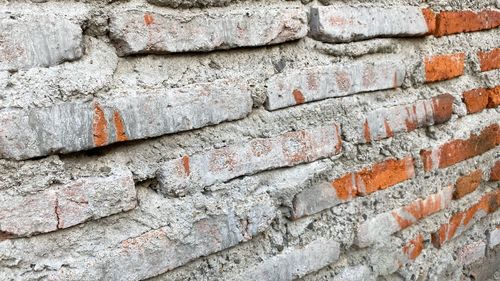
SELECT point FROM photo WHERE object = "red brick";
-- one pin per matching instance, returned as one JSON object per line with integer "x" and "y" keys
{"x": 385, "y": 224}
{"x": 179, "y": 175}
{"x": 385, "y": 122}
{"x": 489, "y": 60}
{"x": 379, "y": 176}
{"x": 467, "y": 184}
{"x": 495, "y": 172}
{"x": 414, "y": 248}
{"x": 444, "y": 67}
{"x": 461, "y": 221}
{"x": 430, "y": 19}
{"x": 451, "y": 22}
{"x": 459, "y": 150}
{"x": 477, "y": 100}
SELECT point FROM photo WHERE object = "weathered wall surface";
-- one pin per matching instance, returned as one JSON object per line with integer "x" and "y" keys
{"x": 249, "y": 140}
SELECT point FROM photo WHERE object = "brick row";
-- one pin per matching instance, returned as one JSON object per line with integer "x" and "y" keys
{"x": 36, "y": 41}
{"x": 343, "y": 23}
{"x": 155, "y": 251}
{"x": 385, "y": 224}
{"x": 459, "y": 150}
{"x": 451, "y": 22}
{"x": 368, "y": 180}
{"x": 140, "y": 32}
{"x": 444, "y": 67}
{"x": 476, "y": 100}
{"x": 489, "y": 60}
{"x": 178, "y": 176}
{"x": 66, "y": 205}
{"x": 461, "y": 221}
{"x": 386, "y": 122}
{"x": 295, "y": 263}
{"x": 73, "y": 127}
{"x": 306, "y": 85}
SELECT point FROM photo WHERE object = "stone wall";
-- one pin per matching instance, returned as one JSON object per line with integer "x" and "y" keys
{"x": 249, "y": 140}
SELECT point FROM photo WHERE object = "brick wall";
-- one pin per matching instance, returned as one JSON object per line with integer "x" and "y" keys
{"x": 249, "y": 140}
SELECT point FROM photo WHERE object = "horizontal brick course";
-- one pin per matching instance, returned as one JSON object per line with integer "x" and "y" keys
{"x": 444, "y": 67}
{"x": 467, "y": 184}
{"x": 386, "y": 122}
{"x": 155, "y": 252}
{"x": 385, "y": 224}
{"x": 73, "y": 127}
{"x": 220, "y": 165}
{"x": 67, "y": 205}
{"x": 38, "y": 41}
{"x": 136, "y": 32}
{"x": 342, "y": 23}
{"x": 477, "y": 100}
{"x": 489, "y": 60}
{"x": 312, "y": 84}
{"x": 461, "y": 221}
{"x": 296, "y": 262}
{"x": 328, "y": 194}
{"x": 459, "y": 150}
{"x": 451, "y": 22}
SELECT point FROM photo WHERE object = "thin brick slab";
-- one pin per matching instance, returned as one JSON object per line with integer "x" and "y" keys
{"x": 136, "y": 32}
{"x": 38, "y": 42}
{"x": 73, "y": 127}
{"x": 312, "y": 84}
{"x": 178, "y": 176}
{"x": 66, "y": 205}
{"x": 343, "y": 23}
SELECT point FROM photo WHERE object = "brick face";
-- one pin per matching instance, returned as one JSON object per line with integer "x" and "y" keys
{"x": 451, "y": 22}
{"x": 386, "y": 122}
{"x": 385, "y": 224}
{"x": 139, "y": 32}
{"x": 461, "y": 221}
{"x": 38, "y": 41}
{"x": 467, "y": 184}
{"x": 444, "y": 67}
{"x": 489, "y": 60}
{"x": 342, "y": 23}
{"x": 495, "y": 172}
{"x": 379, "y": 176}
{"x": 459, "y": 150}
{"x": 226, "y": 163}
{"x": 477, "y": 100}
{"x": 312, "y": 84}
{"x": 25, "y": 133}
{"x": 67, "y": 205}
{"x": 328, "y": 194}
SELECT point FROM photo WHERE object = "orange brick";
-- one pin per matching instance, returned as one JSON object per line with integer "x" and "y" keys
{"x": 380, "y": 176}
{"x": 444, "y": 67}
{"x": 459, "y": 150}
{"x": 467, "y": 184}
{"x": 489, "y": 60}
{"x": 385, "y": 224}
{"x": 461, "y": 221}
{"x": 477, "y": 100}
{"x": 495, "y": 172}
{"x": 451, "y": 22}
{"x": 413, "y": 249}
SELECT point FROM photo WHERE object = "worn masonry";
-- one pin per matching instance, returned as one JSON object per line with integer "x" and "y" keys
{"x": 250, "y": 140}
